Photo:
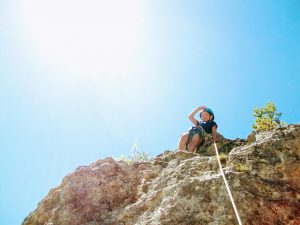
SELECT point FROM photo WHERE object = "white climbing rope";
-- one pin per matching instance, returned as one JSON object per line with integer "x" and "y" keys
{"x": 227, "y": 186}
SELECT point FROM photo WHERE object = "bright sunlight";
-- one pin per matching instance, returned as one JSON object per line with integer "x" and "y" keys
{"x": 90, "y": 37}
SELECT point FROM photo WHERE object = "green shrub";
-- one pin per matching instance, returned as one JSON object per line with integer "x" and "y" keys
{"x": 266, "y": 118}
{"x": 139, "y": 156}
{"x": 136, "y": 156}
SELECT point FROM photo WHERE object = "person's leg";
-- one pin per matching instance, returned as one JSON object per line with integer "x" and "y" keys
{"x": 182, "y": 141}
{"x": 196, "y": 140}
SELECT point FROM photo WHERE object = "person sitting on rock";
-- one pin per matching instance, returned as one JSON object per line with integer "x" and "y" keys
{"x": 196, "y": 135}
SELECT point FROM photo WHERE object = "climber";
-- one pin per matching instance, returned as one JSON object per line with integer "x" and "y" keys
{"x": 196, "y": 135}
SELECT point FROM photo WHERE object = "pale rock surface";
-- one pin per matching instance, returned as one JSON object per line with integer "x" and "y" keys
{"x": 185, "y": 189}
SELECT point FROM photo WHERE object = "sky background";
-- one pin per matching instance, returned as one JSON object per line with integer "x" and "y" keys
{"x": 84, "y": 80}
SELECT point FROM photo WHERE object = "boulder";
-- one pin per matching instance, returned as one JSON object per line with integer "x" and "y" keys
{"x": 182, "y": 188}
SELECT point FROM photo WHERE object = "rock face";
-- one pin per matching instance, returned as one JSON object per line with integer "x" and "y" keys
{"x": 186, "y": 189}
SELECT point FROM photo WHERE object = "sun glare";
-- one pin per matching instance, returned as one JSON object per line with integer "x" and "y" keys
{"x": 93, "y": 36}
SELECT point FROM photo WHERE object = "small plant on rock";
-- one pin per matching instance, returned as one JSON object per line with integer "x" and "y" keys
{"x": 136, "y": 156}
{"x": 239, "y": 167}
{"x": 223, "y": 158}
{"x": 266, "y": 118}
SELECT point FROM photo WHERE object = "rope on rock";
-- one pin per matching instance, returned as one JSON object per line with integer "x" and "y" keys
{"x": 227, "y": 186}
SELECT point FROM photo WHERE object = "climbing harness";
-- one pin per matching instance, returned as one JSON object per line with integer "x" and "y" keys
{"x": 197, "y": 130}
{"x": 227, "y": 186}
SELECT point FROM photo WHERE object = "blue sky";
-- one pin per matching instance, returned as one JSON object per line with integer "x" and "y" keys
{"x": 83, "y": 81}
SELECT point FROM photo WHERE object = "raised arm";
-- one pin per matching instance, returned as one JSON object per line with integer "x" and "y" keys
{"x": 193, "y": 113}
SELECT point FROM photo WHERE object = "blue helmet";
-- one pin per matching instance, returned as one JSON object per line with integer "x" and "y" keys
{"x": 209, "y": 111}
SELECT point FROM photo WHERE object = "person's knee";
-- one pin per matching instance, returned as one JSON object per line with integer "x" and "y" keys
{"x": 196, "y": 138}
{"x": 183, "y": 135}
{"x": 183, "y": 141}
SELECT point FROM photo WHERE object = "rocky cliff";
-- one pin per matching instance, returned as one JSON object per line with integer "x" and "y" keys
{"x": 179, "y": 188}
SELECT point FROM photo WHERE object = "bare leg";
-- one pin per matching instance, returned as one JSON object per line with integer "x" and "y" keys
{"x": 182, "y": 141}
{"x": 196, "y": 140}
